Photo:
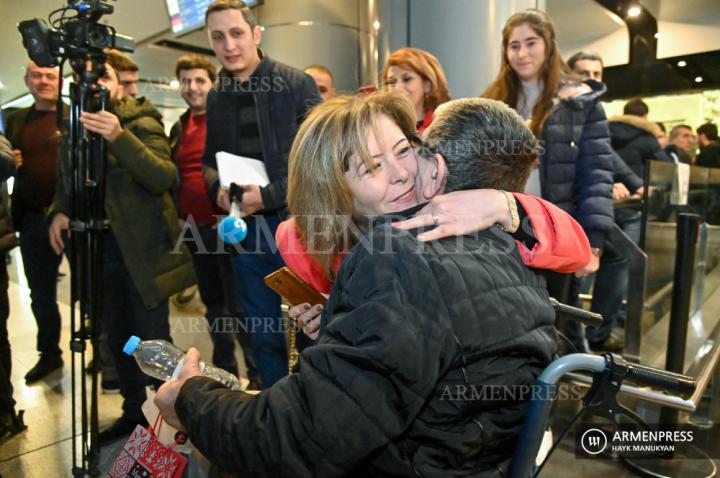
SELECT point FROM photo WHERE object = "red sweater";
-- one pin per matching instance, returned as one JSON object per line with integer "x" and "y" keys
{"x": 561, "y": 246}
{"x": 194, "y": 198}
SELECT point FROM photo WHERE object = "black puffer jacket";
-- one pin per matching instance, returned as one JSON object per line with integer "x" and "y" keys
{"x": 576, "y": 171}
{"x": 405, "y": 379}
{"x": 635, "y": 140}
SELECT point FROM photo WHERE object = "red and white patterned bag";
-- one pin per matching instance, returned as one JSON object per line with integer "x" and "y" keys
{"x": 143, "y": 456}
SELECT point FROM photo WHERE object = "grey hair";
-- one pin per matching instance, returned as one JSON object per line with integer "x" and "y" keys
{"x": 485, "y": 143}
{"x": 675, "y": 132}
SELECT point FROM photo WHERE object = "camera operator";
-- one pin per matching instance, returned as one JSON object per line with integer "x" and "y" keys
{"x": 140, "y": 271}
{"x": 127, "y": 72}
{"x": 34, "y": 134}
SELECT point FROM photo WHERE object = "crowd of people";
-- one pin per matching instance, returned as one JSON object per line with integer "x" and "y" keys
{"x": 430, "y": 224}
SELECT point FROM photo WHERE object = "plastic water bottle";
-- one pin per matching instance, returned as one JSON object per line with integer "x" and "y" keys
{"x": 162, "y": 360}
{"x": 232, "y": 229}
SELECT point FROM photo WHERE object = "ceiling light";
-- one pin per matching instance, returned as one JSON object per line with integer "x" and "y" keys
{"x": 376, "y": 25}
{"x": 657, "y": 35}
{"x": 682, "y": 63}
{"x": 634, "y": 11}
{"x": 174, "y": 84}
{"x": 698, "y": 79}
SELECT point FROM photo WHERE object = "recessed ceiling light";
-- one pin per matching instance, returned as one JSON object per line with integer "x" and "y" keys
{"x": 682, "y": 63}
{"x": 634, "y": 11}
{"x": 657, "y": 35}
{"x": 698, "y": 79}
{"x": 174, "y": 84}
{"x": 376, "y": 25}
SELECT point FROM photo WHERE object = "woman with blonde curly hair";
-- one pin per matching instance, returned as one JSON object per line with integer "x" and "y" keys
{"x": 418, "y": 75}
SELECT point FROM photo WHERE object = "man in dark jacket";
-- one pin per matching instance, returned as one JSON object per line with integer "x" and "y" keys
{"x": 141, "y": 267}
{"x": 10, "y": 421}
{"x": 709, "y": 156}
{"x": 634, "y": 139}
{"x": 196, "y": 75}
{"x": 680, "y": 144}
{"x": 254, "y": 112}
{"x": 414, "y": 340}
{"x": 35, "y": 136}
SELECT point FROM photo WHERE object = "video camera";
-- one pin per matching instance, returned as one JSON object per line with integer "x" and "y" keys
{"x": 78, "y": 37}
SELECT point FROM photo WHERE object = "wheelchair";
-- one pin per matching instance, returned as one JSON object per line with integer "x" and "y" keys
{"x": 608, "y": 371}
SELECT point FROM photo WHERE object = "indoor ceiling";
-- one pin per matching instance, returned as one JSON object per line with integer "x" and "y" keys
{"x": 578, "y": 22}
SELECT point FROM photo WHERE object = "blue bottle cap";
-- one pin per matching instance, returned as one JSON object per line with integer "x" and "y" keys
{"x": 131, "y": 345}
{"x": 232, "y": 230}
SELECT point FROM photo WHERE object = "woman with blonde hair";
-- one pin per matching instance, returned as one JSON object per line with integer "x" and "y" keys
{"x": 418, "y": 75}
{"x": 575, "y": 169}
{"x": 354, "y": 158}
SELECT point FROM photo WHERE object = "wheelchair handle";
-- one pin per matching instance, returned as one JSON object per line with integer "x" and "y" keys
{"x": 653, "y": 377}
{"x": 584, "y": 316}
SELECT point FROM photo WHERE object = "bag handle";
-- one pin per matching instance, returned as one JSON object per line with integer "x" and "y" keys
{"x": 157, "y": 427}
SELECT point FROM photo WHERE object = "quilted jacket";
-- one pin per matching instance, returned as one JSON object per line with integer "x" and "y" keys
{"x": 635, "y": 140}
{"x": 422, "y": 368}
{"x": 576, "y": 165}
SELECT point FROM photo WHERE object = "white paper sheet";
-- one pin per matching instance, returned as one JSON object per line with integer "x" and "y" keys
{"x": 240, "y": 170}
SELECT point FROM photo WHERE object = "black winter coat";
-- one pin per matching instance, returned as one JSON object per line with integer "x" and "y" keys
{"x": 635, "y": 140}
{"x": 576, "y": 170}
{"x": 709, "y": 156}
{"x": 283, "y": 96}
{"x": 405, "y": 379}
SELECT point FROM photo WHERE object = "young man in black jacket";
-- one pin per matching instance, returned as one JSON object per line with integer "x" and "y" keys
{"x": 709, "y": 144}
{"x": 415, "y": 340}
{"x": 254, "y": 112}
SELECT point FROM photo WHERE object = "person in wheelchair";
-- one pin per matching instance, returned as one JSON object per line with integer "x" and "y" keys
{"x": 425, "y": 347}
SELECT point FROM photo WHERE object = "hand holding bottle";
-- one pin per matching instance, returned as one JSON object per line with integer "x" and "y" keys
{"x": 168, "y": 392}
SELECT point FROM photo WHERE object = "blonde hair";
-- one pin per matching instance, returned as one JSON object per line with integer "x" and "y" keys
{"x": 428, "y": 67}
{"x": 319, "y": 195}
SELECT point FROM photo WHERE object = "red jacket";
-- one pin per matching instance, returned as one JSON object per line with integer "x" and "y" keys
{"x": 561, "y": 246}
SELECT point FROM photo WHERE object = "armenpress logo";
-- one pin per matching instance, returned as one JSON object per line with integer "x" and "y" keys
{"x": 594, "y": 441}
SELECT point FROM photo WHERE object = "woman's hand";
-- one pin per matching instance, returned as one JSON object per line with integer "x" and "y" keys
{"x": 308, "y": 317}
{"x": 459, "y": 213}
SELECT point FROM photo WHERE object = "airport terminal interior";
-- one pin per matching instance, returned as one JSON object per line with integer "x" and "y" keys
{"x": 642, "y": 353}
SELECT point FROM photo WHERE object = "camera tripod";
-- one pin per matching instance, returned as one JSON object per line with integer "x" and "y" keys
{"x": 87, "y": 158}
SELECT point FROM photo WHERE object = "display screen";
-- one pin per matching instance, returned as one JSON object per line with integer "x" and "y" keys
{"x": 188, "y": 15}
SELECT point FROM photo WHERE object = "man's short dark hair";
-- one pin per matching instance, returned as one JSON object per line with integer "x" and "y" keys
{"x": 709, "y": 130}
{"x": 485, "y": 143}
{"x": 583, "y": 55}
{"x": 321, "y": 68}
{"x": 119, "y": 61}
{"x": 661, "y": 126}
{"x": 636, "y": 107}
{"x": 220, "y": 5}
{"x": 193, "y": 61}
